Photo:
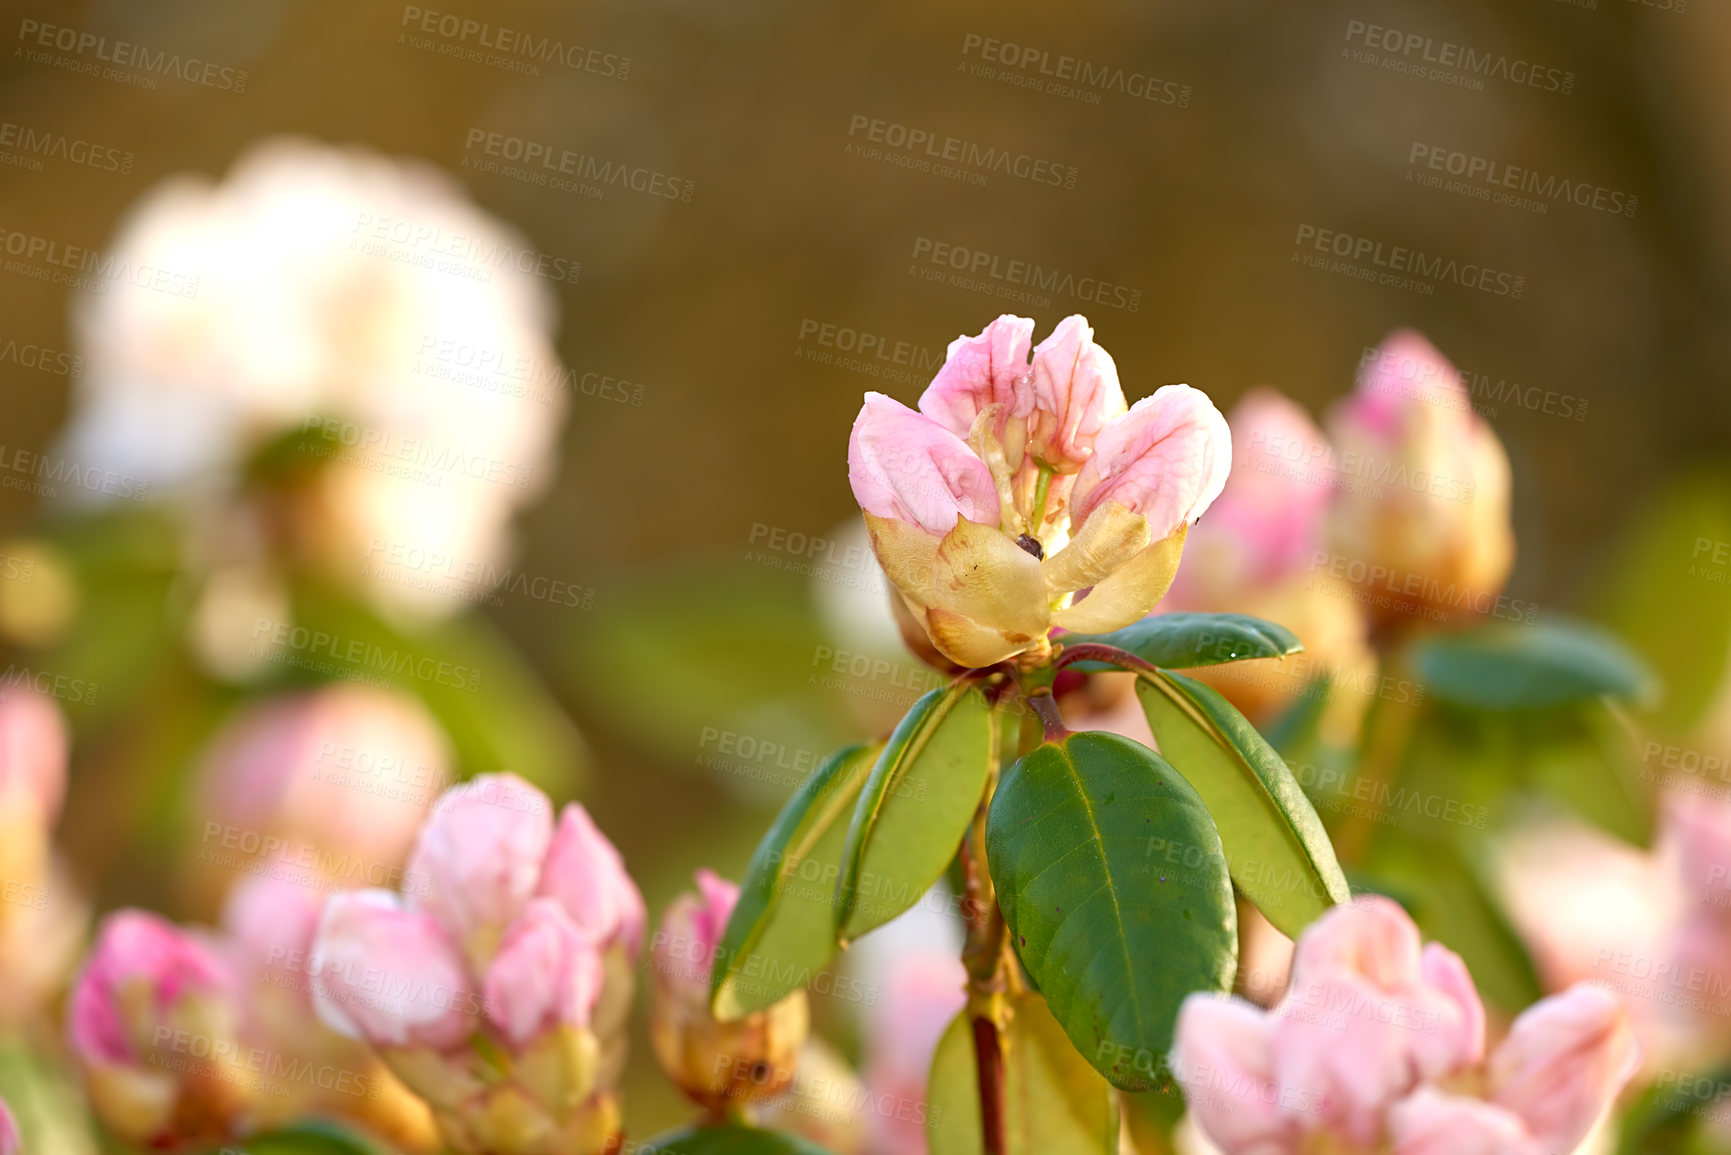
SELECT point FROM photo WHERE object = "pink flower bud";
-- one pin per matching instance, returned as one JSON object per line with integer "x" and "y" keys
{"x": 978, "y": 372}
{"x": 1393, "y": 1015}
{"x": 1167, "y": 459}
{"x": 906, "y": 467}
{"x": 713, "y": 1062}
{"x": 348, "y": 769}
{"x": 1565, "y": 1058}
{"x": 1076, "y": 393}
{"x": 585, "y": 873}
{"x": 149, "y": 996}
{"x": 683, "y": 954}
{"x": 547, "y": 973}
{"x": 389, "y": 975}
{"x": 1223, "y": 1058}
{"x": 10, "y": 1142}
{"x": 271, "y": 919}
{"x": 33, "y": 747}
{"x": 1428, "y": 504}
{"x": 478, "y": 859}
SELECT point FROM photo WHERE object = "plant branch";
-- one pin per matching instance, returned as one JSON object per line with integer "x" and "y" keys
{"x": 1100, "y": 652}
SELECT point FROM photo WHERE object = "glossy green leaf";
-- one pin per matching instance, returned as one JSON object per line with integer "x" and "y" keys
{"x": 1590, "y": 760}
{"x": 311, "y": 1138}
{"x": 1054, "y": 1102}
{"x": 1185, "y": 640}
{"x": 783, "y": 928}
{"x": 1276, "y": 849}
{"x": 915, "y": 807}
{"x": 1504, "y": 666}
{"x": 729, "y": 1139}
{"x": 1078, "y": 841}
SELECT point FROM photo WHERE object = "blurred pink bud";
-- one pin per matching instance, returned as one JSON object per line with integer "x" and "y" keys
{"x": 753, "y": 1057}
{"x": 683, "y": 952}
{"x": 389, "y": 975}
{"x": 33, "y": 747}
{"x": 1076, "y": 393}
{"x": 1393, "y": 1014}
{"x": 905, "y": 466}
{"x": 1565, "y": 1058}
{"x": 547, "y": 973}
{"x": 1701, "y": 826}
{"x": 478, "y": 859}
{"x": 1433, "y": 1122}
{"x": 978, "y": 372}
{"x": 1428, "y": 507}
{"x": 148, "y": 996}
{"x": 1223, "y": 1058}
{"x": 10, "y": 1141}
{"x": 348, "y": 768}
{"x": 271, "y": 919}
{"x": 1167, "y": 459}
{"x": 1270, "y": 512}
{"x": 585, "y": 873}
{"x": 141, "y": 967}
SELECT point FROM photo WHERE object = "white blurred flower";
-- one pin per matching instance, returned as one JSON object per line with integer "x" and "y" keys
{"x": 323, "y": 283}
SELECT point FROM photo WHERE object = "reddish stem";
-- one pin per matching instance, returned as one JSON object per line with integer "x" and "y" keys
{"x": 989, "y": 1058}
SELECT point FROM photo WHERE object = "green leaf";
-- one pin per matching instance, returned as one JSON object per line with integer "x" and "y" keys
{"x": 311, "y": 1138}
{"x": 1666, "y": 592}
{"x": 1276, "y": 849}
{"x": 1504, "y": 666}
{"x": 1054, "y": 1102}
{"x": 1181, "y": 641}
{"x": 1590, "y": 760}
{"x": 784, "y": 924}
{"x": 730, "y": 1139}
{"x": 1667, "y": 1118}
{"x": 915, "y": 807}
{"x": 1114, "y": 936}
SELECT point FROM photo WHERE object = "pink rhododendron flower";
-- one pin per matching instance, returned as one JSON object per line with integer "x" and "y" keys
{"x": 10, "y": 1142}
{"x": 511, "y": 946}
{"x": 1379, "y": 1044}
{"x": 1023, "y": 496}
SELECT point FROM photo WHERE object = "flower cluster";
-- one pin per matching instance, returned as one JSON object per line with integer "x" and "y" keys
{"x": 499, "y": 994}
{"x": 1024, "y": 494}
{"x": 1378, "y": 1045}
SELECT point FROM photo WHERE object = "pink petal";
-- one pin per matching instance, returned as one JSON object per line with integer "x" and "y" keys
{"x": 990, "y": 369}
{"x": 1222, "y": 1058}
{"x": 904, "y": 465}
{"x": 547, "y": 973}
{"x": 1076, "y": 392}
{"x": 1167, "y": 458}
{"x": 389, "y": 975}
{"x": 585, "y": 873}
{"x": 1565, "y": 1059}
